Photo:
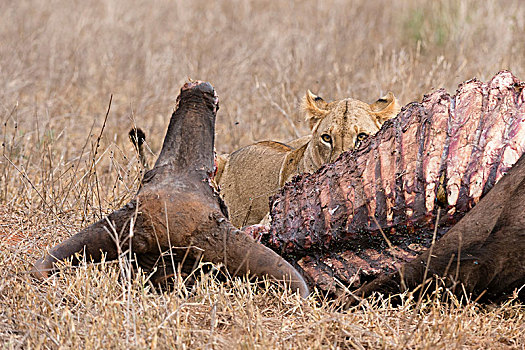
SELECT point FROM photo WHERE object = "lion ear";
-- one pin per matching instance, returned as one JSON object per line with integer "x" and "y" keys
{"x": 315, "y": 108}
{"x": 385, "y": 108}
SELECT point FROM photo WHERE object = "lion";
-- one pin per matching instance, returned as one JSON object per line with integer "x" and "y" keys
{"x": 250, "y": 175}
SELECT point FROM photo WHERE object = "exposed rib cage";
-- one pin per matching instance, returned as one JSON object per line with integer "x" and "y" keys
{"x": 467, "y": 142}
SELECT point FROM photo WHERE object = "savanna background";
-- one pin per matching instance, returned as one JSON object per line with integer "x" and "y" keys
{"x": 63, "y": 166}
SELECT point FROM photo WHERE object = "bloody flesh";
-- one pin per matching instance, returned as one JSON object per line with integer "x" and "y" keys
{"x": 330, "y": 222}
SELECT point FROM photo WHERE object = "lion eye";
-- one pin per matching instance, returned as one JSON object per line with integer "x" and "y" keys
{"x": 326, "y": 138}
{"x": 361, "y": 136}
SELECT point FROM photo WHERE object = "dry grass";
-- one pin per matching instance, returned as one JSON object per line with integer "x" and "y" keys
{"x": 61, "y": 60}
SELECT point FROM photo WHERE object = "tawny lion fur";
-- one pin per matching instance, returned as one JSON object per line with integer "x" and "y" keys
{"x": 250, "y": 175}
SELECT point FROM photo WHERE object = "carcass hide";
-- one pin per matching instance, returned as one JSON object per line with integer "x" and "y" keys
{"x": 375, "y": 208}
{"x": 177, "y": 216}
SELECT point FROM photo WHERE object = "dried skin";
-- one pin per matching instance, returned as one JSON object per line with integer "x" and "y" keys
{"x": 177, "y": 211}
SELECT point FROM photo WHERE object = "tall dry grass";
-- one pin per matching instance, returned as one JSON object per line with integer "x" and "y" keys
{"x": 60, "y": 61}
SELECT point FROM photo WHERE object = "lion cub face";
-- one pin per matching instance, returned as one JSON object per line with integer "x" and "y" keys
{"x": 341, "y": 125}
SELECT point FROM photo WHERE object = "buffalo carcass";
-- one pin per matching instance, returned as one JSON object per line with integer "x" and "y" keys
{"x": 484, "y": 251}
{"x": 177, "y": 211}
{"x": 374, "y": 209}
